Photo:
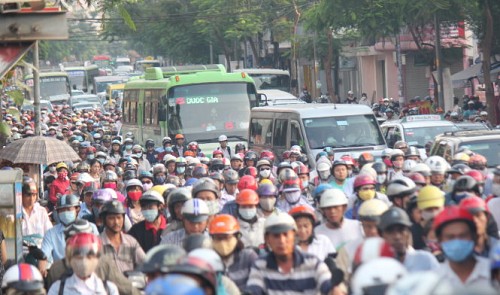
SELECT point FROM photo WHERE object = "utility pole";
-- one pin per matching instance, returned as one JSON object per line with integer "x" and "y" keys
{"x": 399, "y": 62}
{"x": 36, "y": 88}
{"x": 439, "y": 67}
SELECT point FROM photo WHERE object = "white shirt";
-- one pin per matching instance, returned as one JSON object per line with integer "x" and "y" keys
{"x": 321, "y": 246}
{"x": 350, "y": 230}
{"x": 252, "y": 235}
{"x": 420, "y": 260}
{"x": 92, "y": 286}
{"x": 479, "y": 276}
{"x": 37, "y": 222}
{"x": 226, "y": 197}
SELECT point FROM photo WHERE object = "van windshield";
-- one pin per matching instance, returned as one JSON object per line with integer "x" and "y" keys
{"x": 343, "y": 131}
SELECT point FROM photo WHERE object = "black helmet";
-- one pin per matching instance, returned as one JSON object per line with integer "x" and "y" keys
{"x": 173, "y": 179}
{"x": 216, "y": 164}
{"x": 177, "y": 195}
{"x": 66, "y": 201}
{"x": 199, "y": 171}
{"x": 412, "y": 151}
{"x": 231, "y": 176}
{"x": 79, "y": 226}
{"x": 129, "y": 174}
{"x": 466, "y": 183}
{"x": 251, "y": 156}
{"x": 394, "y": 216}
{"x": 459, "y": 168}
{"x": 161, "y": 258}
{"x": 111, "y": 207}
{"x": 196, "y": 241}
{"x": 197, "y": 267}
{"x": 379, "y": 167}
{"x": 149, "y": 143}
{"x": 217, "y": 176}
{"x": 239, "y": 147}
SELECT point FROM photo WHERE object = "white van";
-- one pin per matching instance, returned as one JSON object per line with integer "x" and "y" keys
{"x": 274, "y": 97}
{"x": 347, "y": 128}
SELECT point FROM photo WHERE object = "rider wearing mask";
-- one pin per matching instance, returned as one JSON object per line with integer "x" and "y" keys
{"x": 159, "y": 174}
{"x": 291, "y": 190}
{"x": 323, "y": 168}
{"x": 99, "y": 197}
{"x": 464, "y": 187}
{"x": 397, "y": 160}
{"x": 264, "y": 166}
{"x": 252, "y": 226}
{"x": 60, "y": 185}
{"x": 134, "y": 192}
{"x": 207, "y": 190}
{"x": 146, "y": 179}
{"x": 267, "y": 199}
{"x": 175, "y": 200}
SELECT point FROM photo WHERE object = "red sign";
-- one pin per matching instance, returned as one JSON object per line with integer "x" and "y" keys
{"x": 10, "y": 54}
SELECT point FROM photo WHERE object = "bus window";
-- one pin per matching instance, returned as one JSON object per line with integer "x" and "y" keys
{"x": 130, "y": 99}
{"x": 280, "y": 128}
{"x": 261, "y": 131}
{"x": 296, "y": 134}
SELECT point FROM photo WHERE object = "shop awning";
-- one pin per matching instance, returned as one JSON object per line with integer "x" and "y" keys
{"x": 460, "y": 79}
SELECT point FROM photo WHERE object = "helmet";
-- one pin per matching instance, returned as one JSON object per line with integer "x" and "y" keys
{"x": 247, "y": 197}
{"x": 161, "y": 257}
{"x": 279, "y": 222}
{"x": 239, "y": 147}
{"x": 196, "y": 267}
{"x": 422, "y": 169}
{"x": 400, "y": 187}
{"x": 396, "y": 153}
{"x": 303, "y": 211}
{"x": 459, "y": 168}
{"x": 424, "y": 282}
{"x": 412, "y": 151}
{"x": 23, "y": 277}
{"x": 174, "y": 284}
{"x": 473, "y": 205}
{"x": 180, "y": 161}
{"x": 461, "y": 157}
{"x": 338, "y": 163}
{"x": 83, "y": 167}
{"x": 362, "y": 180}
{"x": 401, "y": 145}
{"x": 408, "y": 164}
{"x": 477, "y": 161}
{"x": 152, "y": 196}
{"x": 112, "y": 207}
{"x": 166, "y": 140}
{"x": 379, "y": 167}
{"x": 169, "y": 158}
{"x": 210, "y": 256}
{"x": 318, "y": 191}
{"x": 365, "y": 158}
{"x": 323, "y": 167}
{"x": 61, "y": 165}
{"x": 372, "y": 209}
{"x": 429, "y": 197}
{"x": 79, "y": 226}
{"x": 223, "y": 224}
{"x": 175, "y": 196}
{"x": 332, "y": 197}
{"x": 83, "y": 244}
{"x": 477, "y": 175}
{"x": 465, "y": 183}
{"x": 29, "y": 187}
{"x": 67, "y": 201}
{"x": 217, "y": 152}
{"x": 393, "y": 216}
{"x": 417, "y": 178}
{"x": 301, "y": 169}
{"x": 205, "y": 184}
{"x": 372, "y": 248}
{"x": 267, "y": 154}
{"x": 231, "y": 177}
{"x": 368, "y": 279}
{"x": 252, "y": 171}
{"x": 110, "y": 176}
{"x": 290, "y": 185}
{"x": 145, "y": 174}
{"x": 103, "y": 195}
{"x": 195, "y": 210}
{"x": 196, "y": 241}
{"x": 199, "y": 171}
{"x": 437, "y": 164}
{"x": 133, "y": 182}
{"x": 247, "y": 181}
{"x": 263, "y": 162}
{"x": 158, "y": 168}
{"x": 452, "y": 214}
{"x": 267, "y": 190}
{"x": 250, "y": 156}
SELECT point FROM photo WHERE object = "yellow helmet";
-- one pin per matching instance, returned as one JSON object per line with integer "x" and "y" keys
{"x": 429, "y": 197}
{"x": 265, "y": 181}
{"x": 159, "y": 188}
{"x": 62, "y": 165}
{"x": 461, "y": 157}
{"x": 372, "y": 209}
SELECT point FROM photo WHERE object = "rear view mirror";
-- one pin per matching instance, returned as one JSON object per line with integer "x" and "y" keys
{"x": 262, "y": 99}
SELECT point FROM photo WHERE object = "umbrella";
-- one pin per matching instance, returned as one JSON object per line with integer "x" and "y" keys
{"x": 38, "y": 150}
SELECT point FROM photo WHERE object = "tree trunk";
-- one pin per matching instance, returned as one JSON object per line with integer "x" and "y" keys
{"x": 328, "y": 66}
{"x": 225, "y": 48}
{"x": 486, "y": 46}
{"x": 254, "y": 52}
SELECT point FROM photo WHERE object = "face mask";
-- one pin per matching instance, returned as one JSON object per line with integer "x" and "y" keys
{"x": 265, "y": 173}
{"x": 457, "y": 250}
{"x": 84, "y": 267}
{"x": 67, "y": 217}
{"x": 495, "y": 189}
{"x": 90, "y": 156}
{"x": 213, "y": 207}
{"x": 247, "y": 213}
{"x": 366, "y": 194}
{"x": 225, "y": 247}
{"x": 427, "y": 215}
{"x": 147, "y": 186}
{"x": 180, "y": 170}
{"x": 101, "y": 160}
{"x": 324, "y": 174}
{"x": 110, "y": 185}
{"x": 139, "y": 155}
{"x": 160, "y": 179}
{"x": 267, "y": 203}
{"x": 305, "y": 183}
{"x": 381, "y": 178}
{"x": 135, "y": 196}
{"x": 459, "y": 197}
{"x": 128, "y": 147}
{"x": 292, "y": 197}
{"x": 150, "y": 214}
{"x": 62, "y": 175}
{"x": 52, "y": 169}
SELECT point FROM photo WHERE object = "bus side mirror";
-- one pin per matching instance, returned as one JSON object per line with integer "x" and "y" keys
{"x": 262, "y": 100}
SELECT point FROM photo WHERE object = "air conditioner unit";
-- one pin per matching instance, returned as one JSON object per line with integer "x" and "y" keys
{"x": 10, "y": 7}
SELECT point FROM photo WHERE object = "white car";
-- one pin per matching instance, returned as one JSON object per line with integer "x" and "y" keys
{"x": 277, "y": 97}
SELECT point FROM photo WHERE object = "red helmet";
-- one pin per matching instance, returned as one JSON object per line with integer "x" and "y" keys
{"x": 301, "y": 169}
{"x": 451, "y": 214}
{"x": 303, "y": 211}
{"x": 193, "y": 146}
{"x": 477, "y": 161}
{"x": 285, "y": 155}
{"x": 217, "y": 152}
{"x": 247, "y": 181}
{"x": 252, "y": 171}
{"x": 247, "y": 197}
{"x": 348, "y": 159}
{"x": 477, "y": 175}
{"x": 83, "y": 244}
{"x": 473, "y": 204}
{"x": 363, "y": 179}
{"x": 267, "y": 154}
{"x": 372, "y": 248}
{"x": 293, "y": 183}
{"x": 417, "y": 178}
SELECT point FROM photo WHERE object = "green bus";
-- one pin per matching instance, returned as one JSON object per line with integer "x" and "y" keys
{"x": 201, "y": 102}
{"x": 54, "y": 87}
{"x": 82, "y": 78}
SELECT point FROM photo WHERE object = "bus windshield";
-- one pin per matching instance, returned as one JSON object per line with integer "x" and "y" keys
{"x": 204, "y": 111}
{"x": 77, "y": 78}
{"x": 51, "y": 87}
{"x": 343, "y": 131}
{"x": 272, "y": 81}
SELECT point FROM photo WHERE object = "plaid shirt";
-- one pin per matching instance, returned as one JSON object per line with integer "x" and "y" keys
{"x": 130, "y": 254}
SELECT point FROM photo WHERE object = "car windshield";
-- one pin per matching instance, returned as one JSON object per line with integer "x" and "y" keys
{"x": 488, "y": 148}
{"x": 85, "y": 98}
{"x": 343, "y": 131}
{"x": 76, "y": 79}
{"x": 420, "y": 136}
{"x": 272, "y": 81}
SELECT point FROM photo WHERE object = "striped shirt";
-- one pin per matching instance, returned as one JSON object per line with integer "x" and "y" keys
{"x": 309, "y": 276}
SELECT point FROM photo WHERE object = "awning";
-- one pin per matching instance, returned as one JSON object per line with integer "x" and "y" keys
{"x": 460, "y": 79}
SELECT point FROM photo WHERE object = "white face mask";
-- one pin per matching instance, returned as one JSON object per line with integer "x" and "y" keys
{"x": 324, "y": 174}
{"x": 84, "y": 267}
{"x": 267, "y": 203}
{"x": 265, "y": 173}
{"x": 292, "y": 197}
{"x": 213, "y": 207}
{"x": 247, "y": 213}
{"x": 495, "y": 189}
{"x": 381, "y": 178}
{"x": 427, "y": 215}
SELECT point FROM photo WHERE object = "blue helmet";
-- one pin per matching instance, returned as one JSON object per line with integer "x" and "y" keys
{"x": 318, "y": 191}
{"x": 174, "y": 284}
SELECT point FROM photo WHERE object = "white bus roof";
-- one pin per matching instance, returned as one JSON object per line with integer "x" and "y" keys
{"x": 318, "y": 110}
{"x": 262, "y": 71}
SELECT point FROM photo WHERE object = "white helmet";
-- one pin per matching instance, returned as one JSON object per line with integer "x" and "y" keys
{"x": 372, "y": 248}
{"x": 408, "y": 164}
{"x": 323, "y": 167}
{"x": 279, "y": 222}
{"x": 400, "y": 186}
{"x": 23, "y": 277}
{"x": 332, "y": 197}
{"x": 195, "y": 210}
{"x": 168, "y": 157}
{"x": 372, "y": 209}
{"x": 437, "y": 164}
{"x": 387, "y": 152}
{"x": 367, "y": 169}
{"x": 370, "y": 276}
{"x": 209, "y": 256}
{"x": 422, "y": 169}
{"x": 152, "y": 195}
{"x": 85, "y": 178}
{"x": 424, "y": 282}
